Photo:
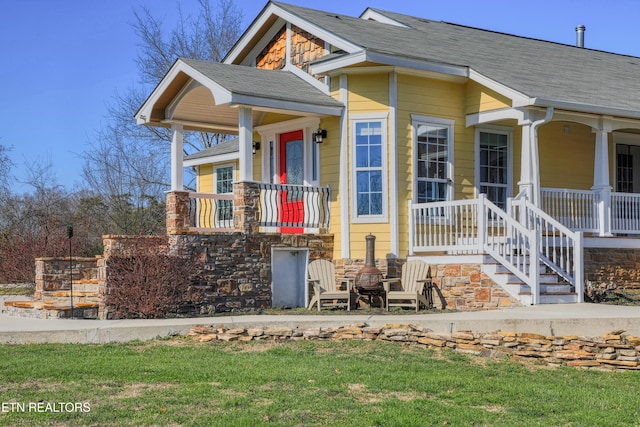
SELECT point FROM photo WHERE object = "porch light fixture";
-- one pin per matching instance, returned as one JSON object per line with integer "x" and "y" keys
{"x": 256, "y": 147}
{"x": 319, "y": 136}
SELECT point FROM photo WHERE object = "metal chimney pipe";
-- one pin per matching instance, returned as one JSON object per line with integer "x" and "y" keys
{"x": 580, "y": 29}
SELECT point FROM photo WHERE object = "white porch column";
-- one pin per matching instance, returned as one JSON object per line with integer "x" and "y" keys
{"x": 526, "y": 177}
{"x": 601, "y": 184}
{"x": 177, "y": 155}
{"x": 245, "y": 142}
{"x": 530, "y": 160}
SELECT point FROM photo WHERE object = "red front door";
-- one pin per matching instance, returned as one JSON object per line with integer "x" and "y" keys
{"x": 291, "y": 172}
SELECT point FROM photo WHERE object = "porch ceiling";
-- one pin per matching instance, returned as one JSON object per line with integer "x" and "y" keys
{"x": 205, "y": 95}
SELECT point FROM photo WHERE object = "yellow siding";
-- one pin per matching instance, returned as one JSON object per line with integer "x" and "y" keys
{"x": 330, "y": 175}
{"x": 205, "y": 179}
{"x": 432, "y": 98}
{"x": 479, "y": 98}
{"x": 566, "y": 159}
{"x": 368, "y": 93}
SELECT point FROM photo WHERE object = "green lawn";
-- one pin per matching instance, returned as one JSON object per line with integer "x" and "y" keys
{"x": 181, "y": 382}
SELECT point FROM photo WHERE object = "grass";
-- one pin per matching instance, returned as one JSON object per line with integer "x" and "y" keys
{"x": 17, "y": 290}
{"x": 182, "y": 382}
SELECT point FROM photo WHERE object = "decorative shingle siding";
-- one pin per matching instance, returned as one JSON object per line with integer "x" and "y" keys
{"x": 305, "y": 47}
{"x": 273, "y": 56}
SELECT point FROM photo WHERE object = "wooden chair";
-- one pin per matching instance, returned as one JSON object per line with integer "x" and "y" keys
{"x": 416, "y": 286}
{"x": 322, "y": 275}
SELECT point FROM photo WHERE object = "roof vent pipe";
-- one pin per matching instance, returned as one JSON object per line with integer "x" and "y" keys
{"x": 580, "y": 29}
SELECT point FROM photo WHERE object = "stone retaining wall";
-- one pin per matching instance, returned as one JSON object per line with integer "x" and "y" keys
{"x": 612, "y": 351}
{"x": 610, "y": 269}
{"x": 235, "y": 268}
{"x": 55, "y": 273}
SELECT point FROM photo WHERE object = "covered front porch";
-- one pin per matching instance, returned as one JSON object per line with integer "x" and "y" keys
{"x": 265, "y": 180}
{"x": 538, "y": 238}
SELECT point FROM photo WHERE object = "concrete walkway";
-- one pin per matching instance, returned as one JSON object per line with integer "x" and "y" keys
{"x": 588, "y": 320}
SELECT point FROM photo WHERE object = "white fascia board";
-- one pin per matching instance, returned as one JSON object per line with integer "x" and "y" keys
{"x": 325, "y": 66}
{"x": 273, "y": 9}
{"x": 250, "y": 58}
{"x": 519, "y": 99}
{"x": 220, "y": 94}
{"x": 143, "y": 115}
{"x": 211, "y": 159}
{"x": 276, "y": 104}
{"x": 494, "y": 116}
{"x": 307, "y": 78}
{"x": 586, "y": 108}
{"x": 387, "y": 59}
{"x": 373, "y": 15}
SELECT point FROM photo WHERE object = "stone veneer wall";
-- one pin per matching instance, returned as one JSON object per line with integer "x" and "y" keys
{"x": 456, "y": 286}
{"x": 612, "y": 351}
{"x": 55, "y": 274}
{"x": 464, "y": 287}
{"x": 611, "y": 269}
{"x": 236, "y": 267}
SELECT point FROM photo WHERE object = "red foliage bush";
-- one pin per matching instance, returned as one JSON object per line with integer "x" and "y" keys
{"x": 150, "y": 286}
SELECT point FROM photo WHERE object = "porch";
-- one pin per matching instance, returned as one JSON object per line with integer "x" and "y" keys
{"x": 536, "y": 254}
{"x": 253, "y": 207}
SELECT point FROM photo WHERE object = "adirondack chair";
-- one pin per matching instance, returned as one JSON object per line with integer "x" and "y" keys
{"x": 322, "y": 275}
{"x": 415, "y": 280}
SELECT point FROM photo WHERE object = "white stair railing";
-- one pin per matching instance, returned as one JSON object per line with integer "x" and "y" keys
{"x": 476, "y": 226}
{"x": 560, "y": 248}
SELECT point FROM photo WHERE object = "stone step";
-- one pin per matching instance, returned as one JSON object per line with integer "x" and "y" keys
{"x": 50, "y": 310}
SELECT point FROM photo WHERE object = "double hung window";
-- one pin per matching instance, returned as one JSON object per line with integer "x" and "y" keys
{"x": 434, "y": 159}
{"x": 493, "y": 165}
{"x": 224, "y": 185}
{"x": 369, "y": 138}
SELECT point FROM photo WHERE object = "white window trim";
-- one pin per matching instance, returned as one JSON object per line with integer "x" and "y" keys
{"x": 503, "y": 130}
{"x": 272, "y": 132}
{"x": 215, "y": 175}
{"x": 216, "y": 167}
{"x": 383, "y": 119}
{"x": 417, "y": 120}
{"x": 621, "y": 138}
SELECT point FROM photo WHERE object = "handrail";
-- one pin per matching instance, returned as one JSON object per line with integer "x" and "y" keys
{"x": 560, "y": 248}
{"x": 476, "y": 226}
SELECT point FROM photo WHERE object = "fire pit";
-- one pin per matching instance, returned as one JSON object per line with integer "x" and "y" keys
{"x": 369, "y": 279}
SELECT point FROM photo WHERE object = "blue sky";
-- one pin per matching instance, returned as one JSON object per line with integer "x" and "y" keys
{"x": 63, "y": 60}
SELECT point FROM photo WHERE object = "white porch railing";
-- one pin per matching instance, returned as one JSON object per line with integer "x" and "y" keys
{"x": 575, "y": 209}
{"x": 518, "y": 240}
{"x": 211, "y": 212}
{"x": 476, "y": 226}
{"x": 625, "y": 213}
{"x": 294, "y": 206}
{"x": 590, "y": 211}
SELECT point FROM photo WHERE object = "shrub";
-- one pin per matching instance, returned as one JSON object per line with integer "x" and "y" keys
{"x": 150, "y": 286}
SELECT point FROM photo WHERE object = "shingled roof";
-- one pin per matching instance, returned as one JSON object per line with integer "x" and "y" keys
{"x": 546, "y": 72}
{"x": 259, "y": 83}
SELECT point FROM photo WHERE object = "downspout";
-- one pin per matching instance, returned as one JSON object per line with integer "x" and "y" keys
{"x": 535, "y": 157}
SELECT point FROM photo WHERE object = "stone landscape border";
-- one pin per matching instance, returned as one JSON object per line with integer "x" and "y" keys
{"x": 611, "y": 351}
